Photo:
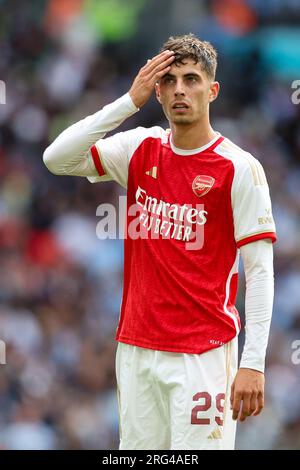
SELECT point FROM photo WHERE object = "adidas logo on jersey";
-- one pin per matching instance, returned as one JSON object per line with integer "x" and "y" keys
{"x": 152, "y": 172}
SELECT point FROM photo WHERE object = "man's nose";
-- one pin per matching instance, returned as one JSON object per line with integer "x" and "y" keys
{"x": 179, "y": 90}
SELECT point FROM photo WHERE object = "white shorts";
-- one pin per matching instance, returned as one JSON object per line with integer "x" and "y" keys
{"x": 175, "y": 400}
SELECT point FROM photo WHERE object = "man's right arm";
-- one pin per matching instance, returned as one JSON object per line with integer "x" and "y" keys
{"x": 70, "y": 153}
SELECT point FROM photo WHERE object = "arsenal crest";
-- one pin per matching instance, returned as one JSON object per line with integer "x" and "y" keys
{"x": 202, "y": 184}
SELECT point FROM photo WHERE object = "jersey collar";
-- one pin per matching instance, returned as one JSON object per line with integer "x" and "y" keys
{"x": 179, "y": 151}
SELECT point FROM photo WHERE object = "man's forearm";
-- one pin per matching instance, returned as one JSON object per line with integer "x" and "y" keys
{"x": 258, "y": 265}
{"x": 68, "y": 154}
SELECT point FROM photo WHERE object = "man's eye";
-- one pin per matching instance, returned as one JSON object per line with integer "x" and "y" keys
{"x": 191, "y": 79}
{"x": 168, "y": 80}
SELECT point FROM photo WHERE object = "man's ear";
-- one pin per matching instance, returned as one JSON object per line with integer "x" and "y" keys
{"x": 214, "y": 91}
{"x": 157, "y": 92}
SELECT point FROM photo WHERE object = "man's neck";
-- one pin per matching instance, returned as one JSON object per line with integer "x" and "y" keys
{"x": 188, "y": 137}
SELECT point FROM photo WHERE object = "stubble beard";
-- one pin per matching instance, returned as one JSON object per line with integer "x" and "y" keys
{"x": 183, "y": 120}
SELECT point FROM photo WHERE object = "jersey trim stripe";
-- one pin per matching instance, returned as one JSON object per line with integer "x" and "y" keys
{"x": 233, "y": 271}
{"x": 97, "y": 161}
{"x": 257, "y": 236}
{"x": 216, "y": 143}
{"x": 258, "y": 175}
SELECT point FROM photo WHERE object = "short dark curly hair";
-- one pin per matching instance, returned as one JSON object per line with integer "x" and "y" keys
{"x": 189, "y": 46}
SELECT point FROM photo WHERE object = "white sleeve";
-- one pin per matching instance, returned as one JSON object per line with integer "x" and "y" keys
{"x": 252, "y": 210}
{"x": 70, "y": 154}
{"x": 112, "y": 155}
{"x": 258, "y": 265}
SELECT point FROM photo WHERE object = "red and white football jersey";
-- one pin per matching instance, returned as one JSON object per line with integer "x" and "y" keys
{"x": 179, "y": 292}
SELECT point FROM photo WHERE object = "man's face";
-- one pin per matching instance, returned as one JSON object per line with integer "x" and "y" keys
{"x": 185, "y": 93}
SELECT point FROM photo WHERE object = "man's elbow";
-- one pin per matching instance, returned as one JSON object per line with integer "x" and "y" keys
{"x": 50, "y": 162}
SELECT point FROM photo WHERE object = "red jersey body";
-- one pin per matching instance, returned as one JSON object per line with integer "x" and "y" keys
{"x": 188, "y": 214}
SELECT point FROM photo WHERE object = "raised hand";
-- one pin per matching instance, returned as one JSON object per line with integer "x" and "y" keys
{"x": 148, "y": 75}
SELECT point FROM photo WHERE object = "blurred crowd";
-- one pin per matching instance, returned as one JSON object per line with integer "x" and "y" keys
{"x": 60, "y": 286}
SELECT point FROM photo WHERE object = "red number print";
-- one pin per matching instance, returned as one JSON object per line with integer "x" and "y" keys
{"x": 198, "y": 408}
{"x": 220, "y": 398}
{"x": 220, "y": 407}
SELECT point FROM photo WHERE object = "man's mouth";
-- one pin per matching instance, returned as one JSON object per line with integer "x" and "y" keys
{"x": 180, "y": 106}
